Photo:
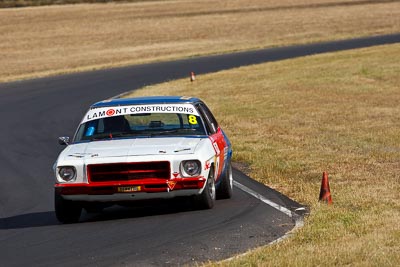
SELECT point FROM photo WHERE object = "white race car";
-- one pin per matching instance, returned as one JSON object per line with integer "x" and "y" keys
{"x": 142, "y": 148}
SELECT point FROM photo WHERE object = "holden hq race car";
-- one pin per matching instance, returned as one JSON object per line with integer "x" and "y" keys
{"x": 144, "y": 148}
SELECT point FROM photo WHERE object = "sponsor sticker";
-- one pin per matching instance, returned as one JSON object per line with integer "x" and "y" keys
{"x": 171, "y": 184}
{"x": 110, "y": 112}
{"x": 98, "y": 113}
{"x": 90, "y": 131}
{"x": 207, "y": 165}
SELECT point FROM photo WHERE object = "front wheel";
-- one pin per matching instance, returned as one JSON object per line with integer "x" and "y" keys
{"x": 67, "y": 211}
{"x": 206, "y": 199}
{"x": 225, "y": 188}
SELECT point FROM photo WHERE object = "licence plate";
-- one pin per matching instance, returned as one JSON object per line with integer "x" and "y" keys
{"x": 129, "y": 189}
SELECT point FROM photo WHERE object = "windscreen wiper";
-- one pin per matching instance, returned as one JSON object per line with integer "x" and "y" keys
{"x": 166, "y": 132}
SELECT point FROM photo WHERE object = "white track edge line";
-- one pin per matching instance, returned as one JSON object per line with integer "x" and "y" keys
{"x": 263, "y": 199}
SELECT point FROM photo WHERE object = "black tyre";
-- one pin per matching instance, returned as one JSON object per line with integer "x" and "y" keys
{"x": 206, "y": 200}
{"x": 66, "y": 211}
{"x": 225, "y": 188}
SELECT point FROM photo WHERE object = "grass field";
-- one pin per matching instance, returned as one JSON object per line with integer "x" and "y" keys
{"x": 292, "y": 120}
{"x": 50, "y": 40}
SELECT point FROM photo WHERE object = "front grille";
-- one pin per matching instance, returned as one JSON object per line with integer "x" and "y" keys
{"x": 128, "y": 171}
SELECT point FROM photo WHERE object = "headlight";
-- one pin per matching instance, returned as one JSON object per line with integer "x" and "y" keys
{"x": 67, "y": 173}
{"x": 190, "y": 168}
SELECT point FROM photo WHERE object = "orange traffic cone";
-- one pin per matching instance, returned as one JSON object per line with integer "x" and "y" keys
{"x": 192, "y": 77}
{"x": 325, "y": 193}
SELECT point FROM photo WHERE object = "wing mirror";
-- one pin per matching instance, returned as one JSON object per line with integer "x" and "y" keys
{"x": 63, "y": 140}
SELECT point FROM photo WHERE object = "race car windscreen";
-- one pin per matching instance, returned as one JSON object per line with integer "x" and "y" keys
{"x": 140, "y": 125}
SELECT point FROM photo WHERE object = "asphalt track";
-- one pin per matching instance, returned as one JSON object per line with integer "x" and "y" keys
{"x": 35, "y": 112}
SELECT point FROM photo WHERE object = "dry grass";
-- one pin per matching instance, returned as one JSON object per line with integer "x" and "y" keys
{"x": 294, "y": 119}
{"x": 50, "y": 40}
{"x": 27, "y": 3}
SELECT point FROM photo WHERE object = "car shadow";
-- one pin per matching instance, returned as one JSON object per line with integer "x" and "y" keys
{"x": 116, "y": 212}
{"x": 140, "y": 209}
{"x": 28, "y": 220}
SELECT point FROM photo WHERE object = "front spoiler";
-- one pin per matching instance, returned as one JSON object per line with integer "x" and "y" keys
{"x": 141, "y": 189}
{"x": 121, "y": 197}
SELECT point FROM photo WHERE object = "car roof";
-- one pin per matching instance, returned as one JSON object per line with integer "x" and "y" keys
{"x": 146, "y": 101}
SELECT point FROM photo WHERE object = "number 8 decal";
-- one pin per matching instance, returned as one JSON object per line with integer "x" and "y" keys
{"x": 192, "y": 119}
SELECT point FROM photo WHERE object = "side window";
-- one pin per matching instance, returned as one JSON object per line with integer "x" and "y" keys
{"x": 211, "y": 123}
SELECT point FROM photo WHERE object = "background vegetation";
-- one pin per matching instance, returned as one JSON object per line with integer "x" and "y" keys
{"x": 51, "y": 40}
